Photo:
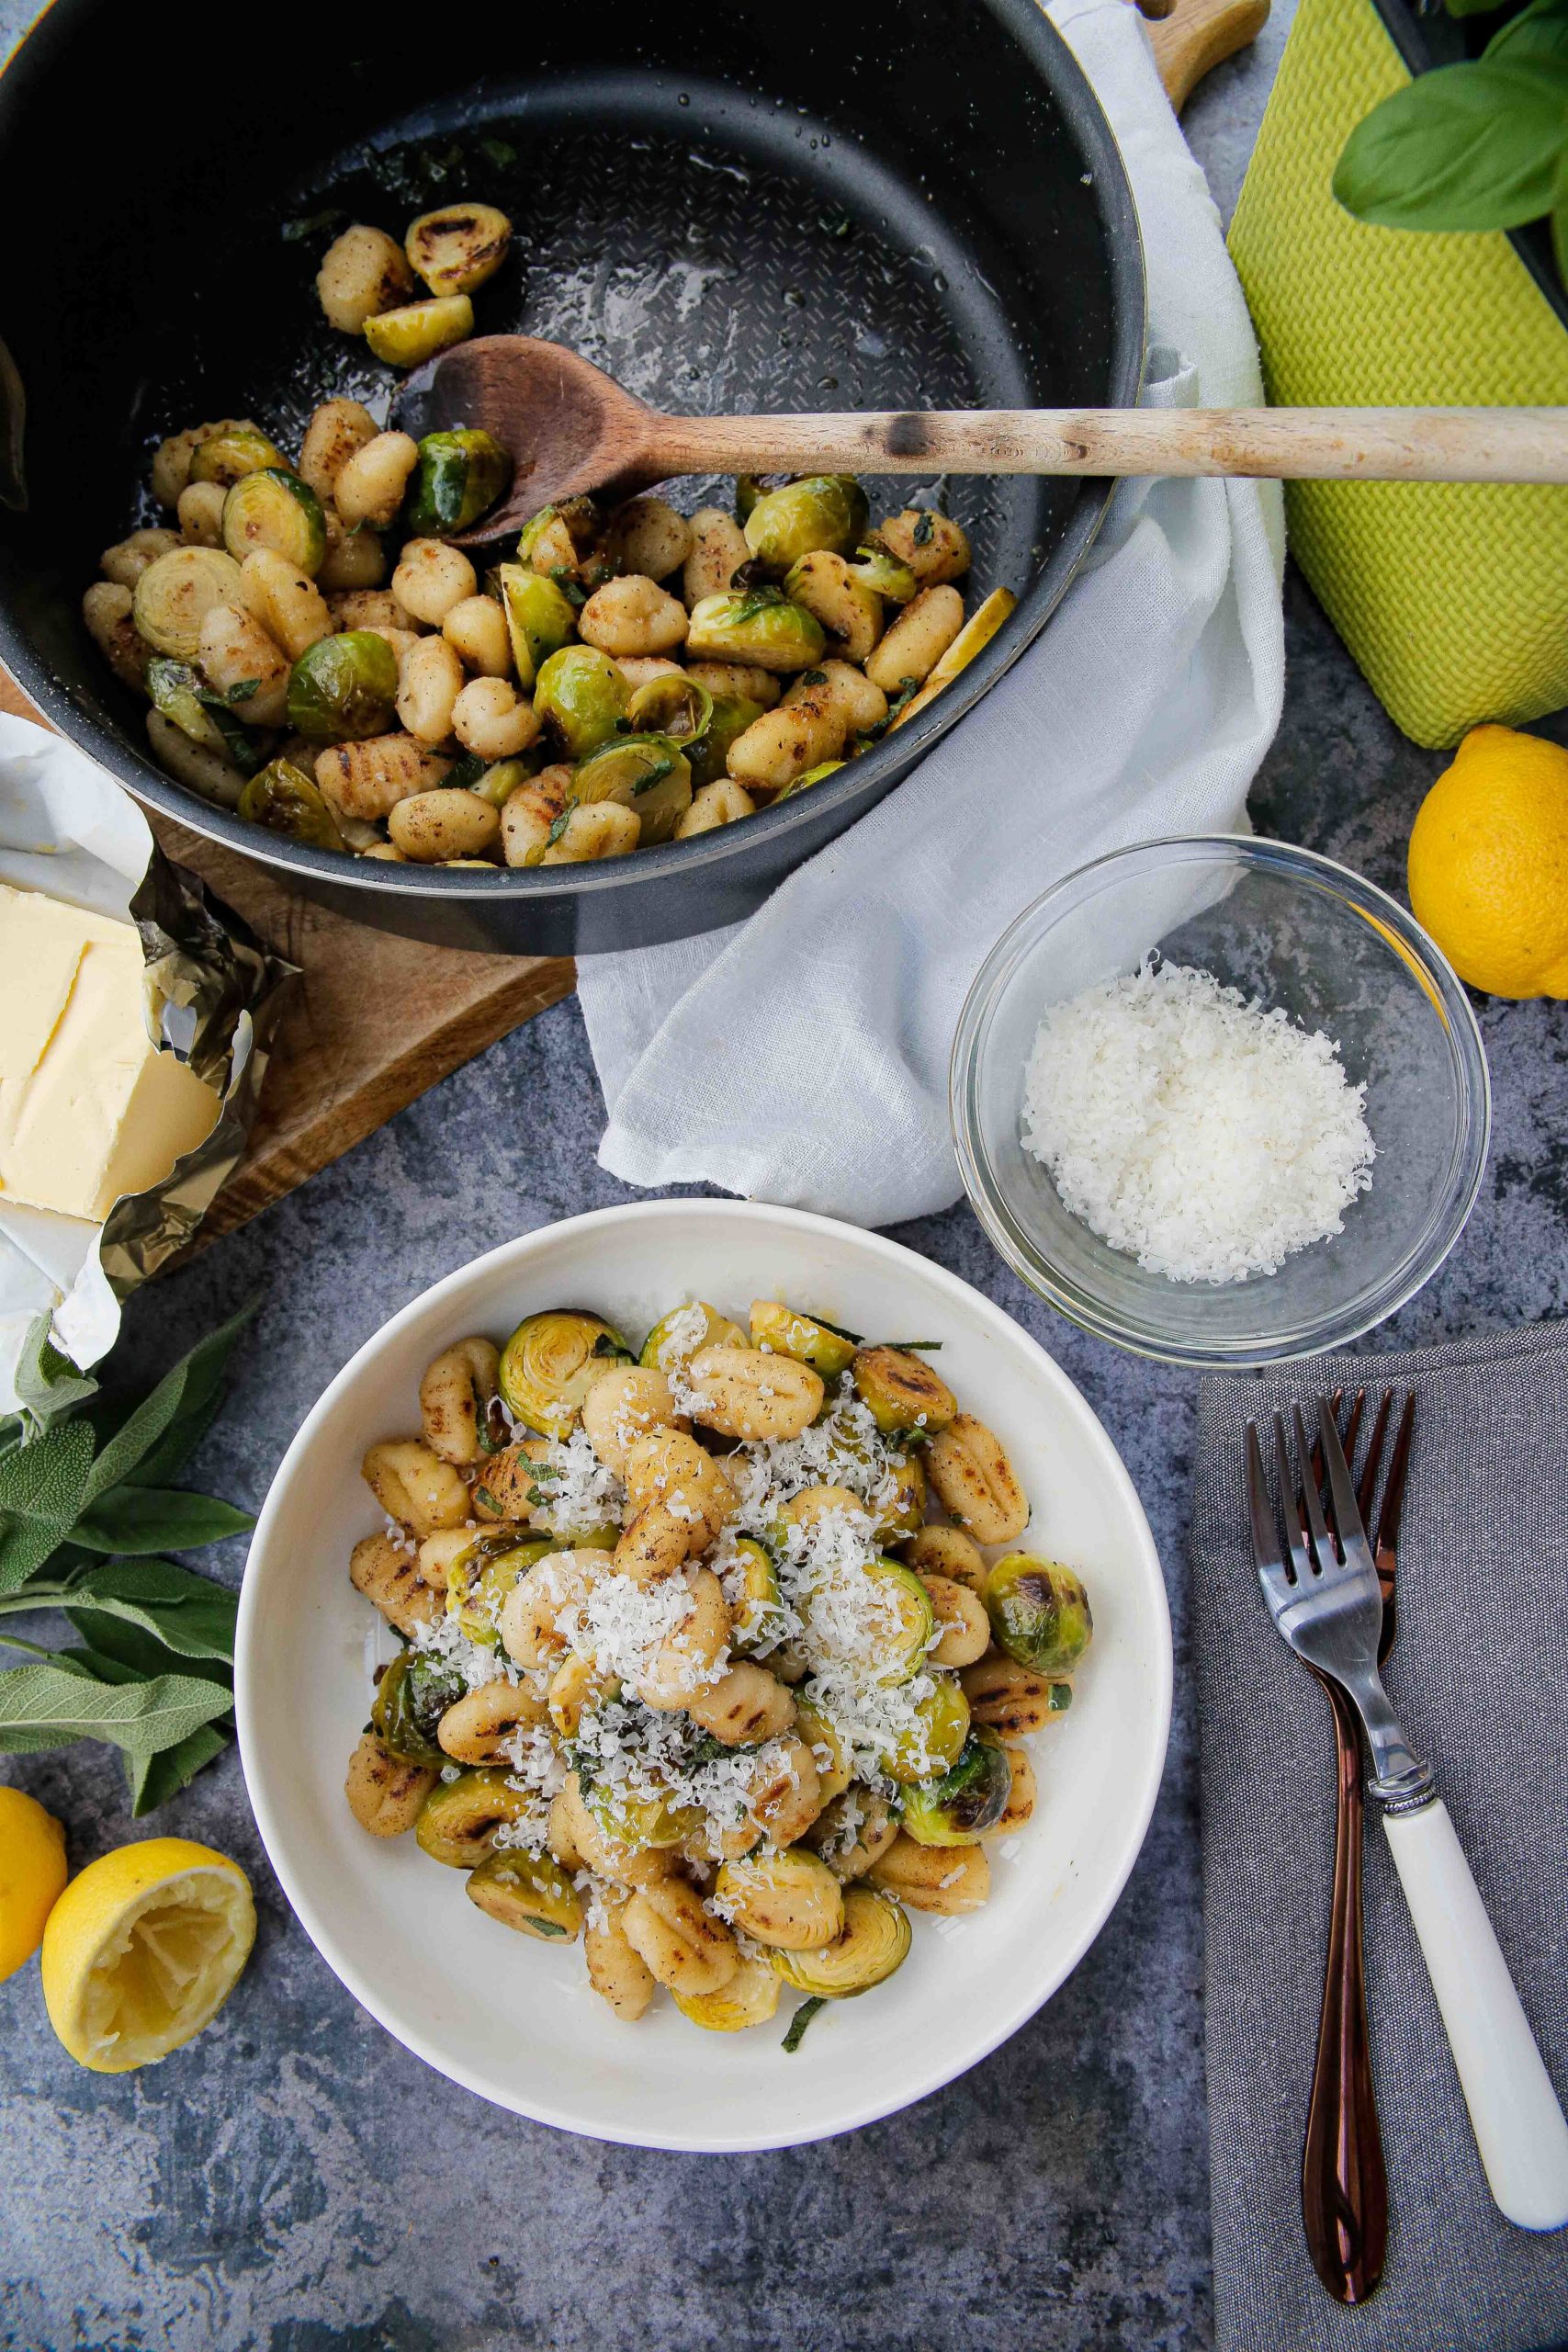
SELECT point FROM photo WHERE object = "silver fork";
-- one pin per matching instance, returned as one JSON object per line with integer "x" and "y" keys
{"x": 1323, "y": 1594}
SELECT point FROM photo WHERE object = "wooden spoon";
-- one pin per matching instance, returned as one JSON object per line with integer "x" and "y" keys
{"x": 571, "y": 428}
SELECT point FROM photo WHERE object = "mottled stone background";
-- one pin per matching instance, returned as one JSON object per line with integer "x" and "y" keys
{"x": 297, "y": 2181}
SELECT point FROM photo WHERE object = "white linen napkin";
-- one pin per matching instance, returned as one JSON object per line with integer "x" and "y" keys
{"x": 801, "y": 1056}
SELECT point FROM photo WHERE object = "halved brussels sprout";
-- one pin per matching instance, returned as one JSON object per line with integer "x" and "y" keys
{"x": 411, "y": 1699}
{"x": 901, "y": 1510}
{"x": 479, "y": 1579}
{"x": 228, "y": 457}
{"x": 788, "y": 1899}
{"x": 757, "y": 1614}
{"x": 459, "y": 476}
{"x": 821, "y": 511}
{"x": 790, "y": 1333}
{"x": 757, "y": 626}
{"x": 460, "y": 1819}
{"x": 344, "y": 689}
{"x": 672, "y": 705}
{"x": 1039, "y": 1612}
{"x": 415, "y": 332}
{"x": 539, "y": 621}
{"x": 676, "y": 1336}
{"x": 828, "y": 1753}
{"x": 970, "y": 1797}
{"x": 273, "y": 508}
{"x": 648, "y": 774}
{"x": 528, "y": 1892}
{"x": 732, "y": 714}
{"x": 906, "y": 1620}
{"x": 497, "y": 781}
{"x": 182, "y": 693}
{"x": 872, "y": 1942}
{"x": 636, "y": 1823}
{"x": 932, "y": 1743}
{"x": 175, "y": 594}
{"x": 551, "y": 1361}
{"x": 812, "y": 776}
{"x": 283, "y": 799}
{"x": 901, "y": 1392}
{"x": 455, "y": 249}
{"x": 581, "y": 696}
{"x": 750, "y": 1997}
{"x": 879, "y": 570}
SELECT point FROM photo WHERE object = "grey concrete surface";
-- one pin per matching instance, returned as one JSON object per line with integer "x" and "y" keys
{"x": 296, "y": 2181}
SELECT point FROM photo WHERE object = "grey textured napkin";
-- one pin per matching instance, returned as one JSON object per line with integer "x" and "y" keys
{"x": 1480, "y": 1677}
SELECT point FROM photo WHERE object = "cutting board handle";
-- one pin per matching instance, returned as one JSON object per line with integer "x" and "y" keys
{"x": 1191, "y": 36}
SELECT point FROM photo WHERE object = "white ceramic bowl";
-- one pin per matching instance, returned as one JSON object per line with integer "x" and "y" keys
{"x": 515, "y": 2020}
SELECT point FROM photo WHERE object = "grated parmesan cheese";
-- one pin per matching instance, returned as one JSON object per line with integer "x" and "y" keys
{"x": 1186, "y": 1125}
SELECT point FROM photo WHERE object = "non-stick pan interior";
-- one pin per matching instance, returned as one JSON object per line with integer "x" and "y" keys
{"x": 727, "y": 206}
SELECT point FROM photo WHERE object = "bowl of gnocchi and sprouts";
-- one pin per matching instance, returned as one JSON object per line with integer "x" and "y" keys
{"x": 729, "y": 1707}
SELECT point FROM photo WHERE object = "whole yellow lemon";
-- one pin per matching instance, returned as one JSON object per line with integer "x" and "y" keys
{"x": 1489, "y": 862}
{"x": 32, "y": 1872}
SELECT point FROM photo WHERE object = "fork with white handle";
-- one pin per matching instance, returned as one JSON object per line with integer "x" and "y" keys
{"x": 1323, "y": 1594}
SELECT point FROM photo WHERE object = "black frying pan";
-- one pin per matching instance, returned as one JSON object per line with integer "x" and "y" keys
{"x": 728, "y": 205}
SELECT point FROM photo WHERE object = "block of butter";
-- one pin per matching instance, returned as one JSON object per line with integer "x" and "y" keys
{"x": 89, "y": 1106}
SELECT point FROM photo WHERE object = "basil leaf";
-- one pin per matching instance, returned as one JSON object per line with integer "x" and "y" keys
{"x": 1540, "y": 31}
{"x": 49, "y": 1705}
{"x": 154, "y": 1779}
{"x": 1465, "y": 147}
{"x": 188, "y": 1612}
{"x": 150, "y": 1519}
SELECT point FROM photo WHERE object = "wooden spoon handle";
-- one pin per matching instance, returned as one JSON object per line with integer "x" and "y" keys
{"x": 1289, "y": 444}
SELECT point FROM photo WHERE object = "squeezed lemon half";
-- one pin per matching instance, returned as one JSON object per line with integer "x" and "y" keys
{"x": 142, "y": 1949}
{"x": 32, "y": 1871}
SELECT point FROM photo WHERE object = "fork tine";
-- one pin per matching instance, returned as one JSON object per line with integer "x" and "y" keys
{"x": 1277, "y": 1578}
{"x": 1322, "y": 1543}
{"x": 1393, "y": 1493}
{"x": 1290, "y": 1504}
{"x": 1368, "y": 1485}
{"x": 1347, "y": 1516}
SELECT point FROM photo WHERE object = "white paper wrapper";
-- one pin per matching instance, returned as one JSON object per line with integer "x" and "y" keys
{"x": 213, "y": 993}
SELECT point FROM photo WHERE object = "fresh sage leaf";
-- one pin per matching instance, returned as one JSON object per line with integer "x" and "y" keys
{"x": 46, "y": 1705}
{"x": 154, "y": 1779}
{"x": 188, "y": 1612}
{"x": 152, "y": 1518}
{"x": 799, "y": 2022}
{"x": 47, "y": 1383}
{"x": 1465, "y": 147}
{"x": 137, "y": 1652}
{"x": 158, "y": 1435}
{"x": 41, "y": 1485}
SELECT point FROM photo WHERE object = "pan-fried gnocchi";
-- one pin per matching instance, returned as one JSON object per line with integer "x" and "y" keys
{"x": 685, "y": 1669}
{"x": 742, "y": 656}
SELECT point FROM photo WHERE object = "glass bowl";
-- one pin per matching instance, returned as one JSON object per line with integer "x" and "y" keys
{"x": 1290, "y": 930}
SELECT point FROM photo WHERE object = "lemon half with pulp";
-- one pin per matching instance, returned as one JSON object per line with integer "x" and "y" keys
{"x": 143, "y": 1949}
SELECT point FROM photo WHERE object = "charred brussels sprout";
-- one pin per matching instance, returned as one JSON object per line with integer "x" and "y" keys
{"x": 901, "y": 1391}
{"x": 933, "y": 1741}
{"x": 411, "y": 1699}
{"x": 789, "y": 1333}
{"x": 457, "y": 249}
{"x": 676, "y": 1336}
{"x": 969, "y": 1799}
{"x": 344, "y": 689}
{"x": 479, "y": 1579}
{"x": 459, "y": 476}
{"x": 539, "y": 621}
{"x": 283, "y": 799}
{"x": 872, "y": 1942}
{"x": 758, "y": 626}
{"x": 227, "y": 457}
{"x": 672, "y": 705}
{"x": 273, "y": 508}
{"x": 415, "y": 332}
{"x": 582, "y": 696}
{"x": 1039, "y": 1612}
{"x": 823, "y": 511}
{"x": 528, "y": 1892}
{"x": 732, "y": 714}
{"x": 648, "y": 774}
{"x": 184, "y": 696}
{"x": 551, "y": 1361}
{"x": 461, "y": 1819}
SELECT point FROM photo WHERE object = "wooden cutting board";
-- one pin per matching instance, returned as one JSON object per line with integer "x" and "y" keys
{"x": 373, "y": 1022}
{"x": 377, "y": 1020}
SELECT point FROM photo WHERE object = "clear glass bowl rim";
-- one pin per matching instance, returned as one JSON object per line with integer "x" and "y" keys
{"x": 1430, "y": 967}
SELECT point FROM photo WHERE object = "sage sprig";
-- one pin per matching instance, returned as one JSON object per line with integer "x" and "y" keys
{"x": 86, "y": 1514}
{"x": 1481, "y": 145}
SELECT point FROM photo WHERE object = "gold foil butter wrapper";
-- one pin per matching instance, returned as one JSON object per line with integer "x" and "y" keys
{"x": 213, "y": 996}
